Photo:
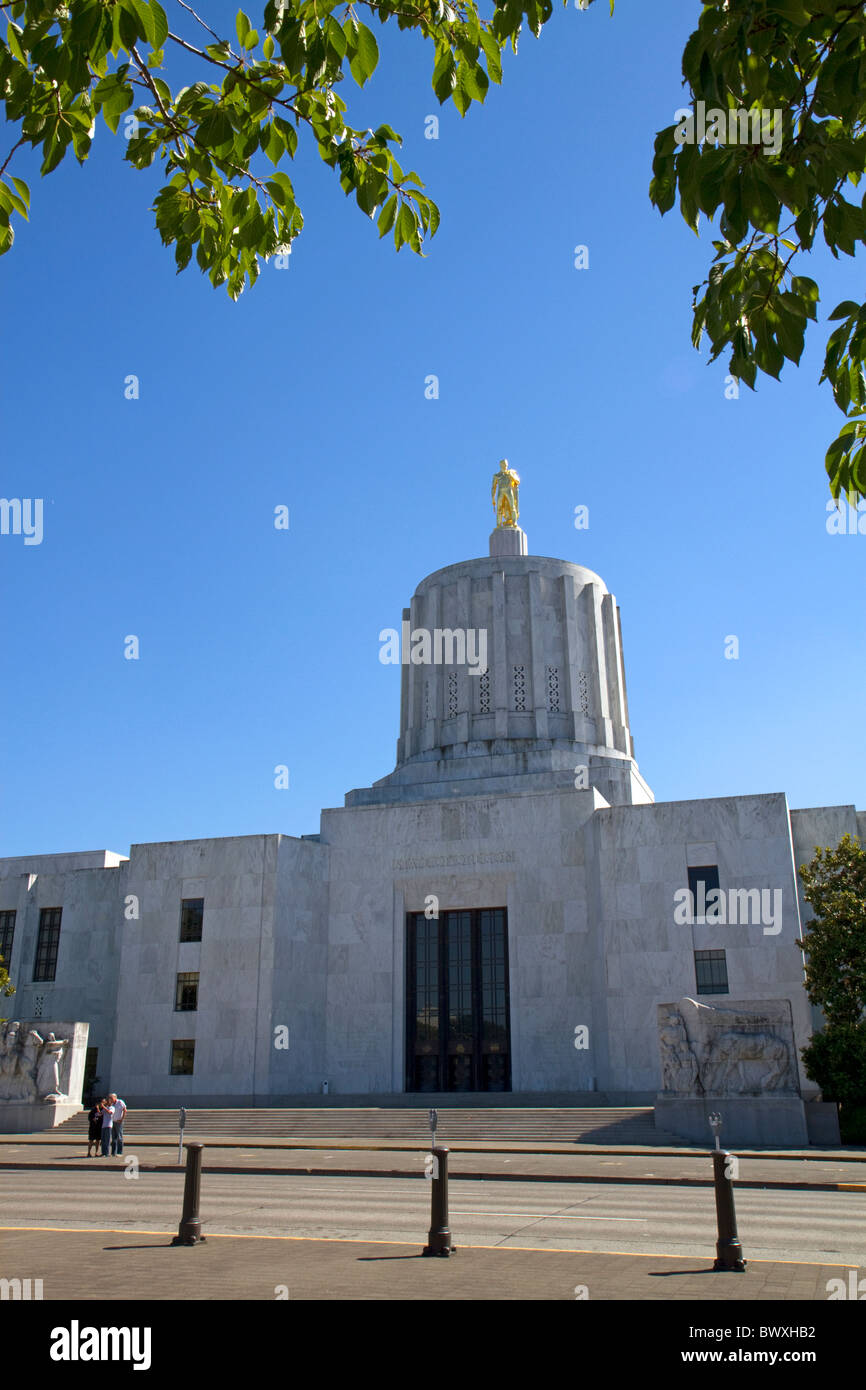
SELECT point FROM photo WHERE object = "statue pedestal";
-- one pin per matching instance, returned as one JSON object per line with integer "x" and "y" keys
{"x": 21, "y": 1117}
{"x": 508, "y": 540}
{"x": 766, "y": 1121}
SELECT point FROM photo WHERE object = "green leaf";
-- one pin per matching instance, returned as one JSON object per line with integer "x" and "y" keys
{"x": 405, "y": 228}
{"x": 289, "y": 134}
{"x": 385, "y": 132}
{"x": 492, "y": 53}
{"x": 845, "y": 310}
{"x": 387, "y": 216}
{"x": 366, "y": 56}
{"x": 160, "y": 24}
{"x": 13, "y": 36}
{"x": 243, "y": 25}
{"x": 216, "y": 129}
{"x": 279, "y": 186}
{"x": 22, "y": 190}
{"x": 444, "y": 75}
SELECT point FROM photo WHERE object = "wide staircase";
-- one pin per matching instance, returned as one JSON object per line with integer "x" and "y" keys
{"x": 605, "y": 1125}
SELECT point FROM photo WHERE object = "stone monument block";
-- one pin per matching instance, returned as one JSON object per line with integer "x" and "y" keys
{"x": 738, "y": 1060}
{"x": 41, "y": 1073}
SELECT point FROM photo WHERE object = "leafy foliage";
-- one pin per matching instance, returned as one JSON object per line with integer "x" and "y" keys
{"x": 252, "y": 95}
{"x": 806, "y": 61}
{"x": 834, "y": 884}
{"x": 5, "y": 987}
{"x": 836, "y": 1061}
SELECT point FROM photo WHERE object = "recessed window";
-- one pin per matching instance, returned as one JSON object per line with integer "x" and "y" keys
{"x": 703, "y": 880}
{"x": 186, "y": 994}
{"x": 47, "y": 943}
{"x": 191, "y": 918}
{"x": 182, "y": 1056}
{"x": 7, "y": 934}
{"x": 711, "y": 972}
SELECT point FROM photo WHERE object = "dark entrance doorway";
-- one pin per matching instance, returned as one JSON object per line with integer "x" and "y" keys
{"x": 457, "y": 1019}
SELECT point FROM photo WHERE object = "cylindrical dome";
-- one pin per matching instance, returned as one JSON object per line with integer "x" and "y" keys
{"x": 512, "y": 679}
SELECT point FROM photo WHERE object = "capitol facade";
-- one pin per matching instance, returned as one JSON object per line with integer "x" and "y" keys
{"x": 504, "y": 911}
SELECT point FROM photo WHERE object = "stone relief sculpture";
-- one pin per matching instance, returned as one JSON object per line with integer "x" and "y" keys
{"x": 504, "y": 495}
{"x": 30, "y": 1065}
{"x": 679, "y": 1064}
{"x": 744, "y": 1050}
{"x": 724, "y": 1071}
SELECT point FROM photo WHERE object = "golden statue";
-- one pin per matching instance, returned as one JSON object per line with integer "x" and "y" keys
{"x": 504, "y": 495}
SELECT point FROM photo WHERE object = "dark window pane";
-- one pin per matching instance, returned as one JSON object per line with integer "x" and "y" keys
{"x": 186, "y": 994}
{"x": 47, "y": 943}
{"x": 191, "y": 918}
{"x": 7, "y": 934}
{"x": 457, "y": 1029}
{"x": 711, "y": 972}
{"x": 182, "y": 1056}
{"x": 703, "y": 880}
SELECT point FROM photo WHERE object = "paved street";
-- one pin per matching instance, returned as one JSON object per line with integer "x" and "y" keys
{"x": 825, "y": 1227}
{"x": 826, "y": 1168}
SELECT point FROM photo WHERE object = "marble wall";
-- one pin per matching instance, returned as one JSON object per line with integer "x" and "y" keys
{"x": 303, "y": 940}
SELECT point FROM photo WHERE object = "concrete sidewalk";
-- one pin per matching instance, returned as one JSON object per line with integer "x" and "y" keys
{"x": 239, "y": 1140}
{"x": 650, "y": 1167}
{"x": 118, "y": 1265}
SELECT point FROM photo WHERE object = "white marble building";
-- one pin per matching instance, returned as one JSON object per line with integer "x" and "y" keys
{"x": 253, "y": 969}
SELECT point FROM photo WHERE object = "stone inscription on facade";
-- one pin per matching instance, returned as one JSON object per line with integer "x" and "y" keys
{"x": 447, "y": 861}
{"x": 746, "y": 1049}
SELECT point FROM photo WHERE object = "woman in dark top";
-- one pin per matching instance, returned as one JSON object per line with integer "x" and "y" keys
{"x": 94, "y": 1129}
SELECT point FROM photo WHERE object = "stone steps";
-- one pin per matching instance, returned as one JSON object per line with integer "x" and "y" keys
{"x": 616, "y": 1125}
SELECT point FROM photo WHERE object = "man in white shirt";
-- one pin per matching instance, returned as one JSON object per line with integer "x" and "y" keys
{"x": 119, "y": 1108}
{"x": 107, "y": 1121}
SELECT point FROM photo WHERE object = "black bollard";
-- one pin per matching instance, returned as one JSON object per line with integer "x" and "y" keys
{"x": 439, "y": 1236}
{"x": 189, "y": 1230}
{"x": 729, "y": 1251}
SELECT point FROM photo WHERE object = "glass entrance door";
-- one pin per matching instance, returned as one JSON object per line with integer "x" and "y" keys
{"x": 457, "y": 1026}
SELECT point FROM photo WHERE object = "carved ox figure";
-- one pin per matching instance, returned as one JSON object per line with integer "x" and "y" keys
{"x": 731, "y": 1050}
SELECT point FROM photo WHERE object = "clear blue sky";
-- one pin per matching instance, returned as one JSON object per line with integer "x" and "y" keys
{"x": 260, "y": 647}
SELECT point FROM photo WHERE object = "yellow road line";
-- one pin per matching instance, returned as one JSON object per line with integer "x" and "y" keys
{"x": 358, "y": 1240}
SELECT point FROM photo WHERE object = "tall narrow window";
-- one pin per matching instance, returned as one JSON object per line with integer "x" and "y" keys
{"x": 47, "y": 943}
{"x": 7, "y": 935}
{"x": 457, "y": 1032}
{"x": 91, "y": 1061}
{"x": 191, "y": 918}
{"x": 703, "y": 880}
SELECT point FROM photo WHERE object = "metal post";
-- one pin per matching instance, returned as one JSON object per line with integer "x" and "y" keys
{"x": 729, "y": 1251}
{"x": 439, "y": 1235}
{"x": 189, "y": 1230}
{"x": 181, "y": 1121}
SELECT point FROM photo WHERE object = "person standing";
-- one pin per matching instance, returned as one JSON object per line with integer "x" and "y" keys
{"x": 119, "y": 1107}
{"x": 94, "y": 1128}
{"x": 107, "y": 1121}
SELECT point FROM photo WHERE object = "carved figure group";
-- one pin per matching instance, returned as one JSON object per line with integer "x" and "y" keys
{"x": 722, "y": 1064}
{"x": 30, "y": 1064}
